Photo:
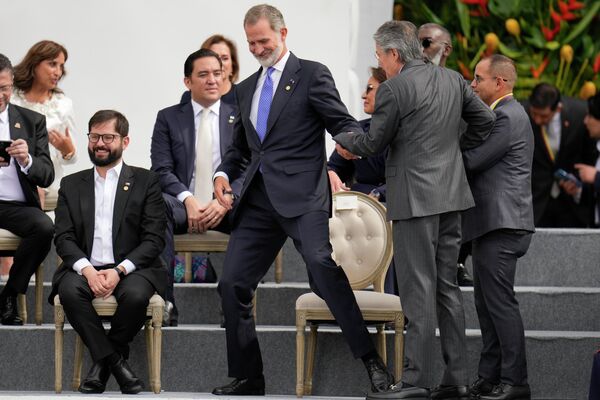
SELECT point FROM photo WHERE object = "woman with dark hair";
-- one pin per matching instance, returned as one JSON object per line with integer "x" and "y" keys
{"x": 227, "y": 52}
{"x": 367, "y": 174}
{"x": 36, "y": 88}
{"x": 588, "y": 173}
{"x": 36, "y": 80}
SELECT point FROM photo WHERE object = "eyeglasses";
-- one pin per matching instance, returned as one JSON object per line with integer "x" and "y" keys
{"x": 6, "y": 88}
{"x": 369, "y": 88}
{"x": 478, "y": 79}
{"x": 426, "y": 42}
{"x": 107, "y": 138}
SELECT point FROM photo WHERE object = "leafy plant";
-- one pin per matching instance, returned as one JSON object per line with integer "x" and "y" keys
{"x": 554, "y": 41}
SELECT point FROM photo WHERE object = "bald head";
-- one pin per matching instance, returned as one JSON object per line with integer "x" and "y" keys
{"x": 503, "y": 67}
{"x": 436, "y": 42}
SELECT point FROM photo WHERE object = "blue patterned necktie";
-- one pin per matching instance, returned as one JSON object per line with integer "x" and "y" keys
{"x": 264, "y": 105}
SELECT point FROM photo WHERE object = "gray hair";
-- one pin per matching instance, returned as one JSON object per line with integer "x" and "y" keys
{"x": 268, "y": 12}
{"x": 5, "y": 64}
{"x": 444, "y": 31}
{"x": 402, "y": 36}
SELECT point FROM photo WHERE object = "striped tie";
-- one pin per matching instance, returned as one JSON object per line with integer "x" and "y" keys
{"x": 264, "y": 105}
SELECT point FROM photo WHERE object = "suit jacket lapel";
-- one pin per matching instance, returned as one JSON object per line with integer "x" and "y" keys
{"x": 17, "y": 130}
{"x": 245, "y": 103}
{"x": 16, "y": 124}
{"x": 124, "y": 186}
{"x": 285, "y": 89}
{"x": 186, "y": 121}
{"x": 87, "y": 204}
{"x": 226, "y": 121}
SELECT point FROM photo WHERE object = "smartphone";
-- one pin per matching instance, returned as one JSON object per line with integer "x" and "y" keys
{"x": 561, "y": 174}
{"x": 4, "y": 154}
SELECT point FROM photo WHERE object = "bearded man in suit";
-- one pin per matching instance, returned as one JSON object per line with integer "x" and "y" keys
{"x": 110, "y": 223}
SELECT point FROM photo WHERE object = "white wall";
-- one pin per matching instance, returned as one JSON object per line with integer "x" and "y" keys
{"x": 129, "y": 54}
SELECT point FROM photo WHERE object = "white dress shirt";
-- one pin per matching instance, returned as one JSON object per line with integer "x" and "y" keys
{"x": 275, "y": 77}
{"x": 59, "y": 114}
{"x": 10, "y": 187}
{"x": 105, "y": 191}
{"x": 554, "y": 132}
{"x": 216, "y": 141}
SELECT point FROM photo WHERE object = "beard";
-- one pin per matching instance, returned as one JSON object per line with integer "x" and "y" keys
{"x": 270, "y": 59}
{"x": 438, "y": 57}
{"x": 113, "y": 156}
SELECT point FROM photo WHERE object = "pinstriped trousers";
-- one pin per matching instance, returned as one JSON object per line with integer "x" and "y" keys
{"x": 425, "y": 254}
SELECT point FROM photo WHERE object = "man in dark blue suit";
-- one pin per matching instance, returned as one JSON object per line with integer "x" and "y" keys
{"x": 285, "y": 108}
{"x": 188, "y": 142}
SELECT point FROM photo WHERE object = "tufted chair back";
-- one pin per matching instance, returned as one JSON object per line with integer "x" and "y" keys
{"x": 361, "y": 239}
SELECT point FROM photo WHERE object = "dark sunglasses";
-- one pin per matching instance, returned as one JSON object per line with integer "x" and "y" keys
{"x": 429, "y": 41}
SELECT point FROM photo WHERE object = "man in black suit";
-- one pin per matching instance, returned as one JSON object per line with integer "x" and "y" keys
{"x": 29, "y": 166}
{"x": 285, "y": 108}
{"x": 185, "y": 153}
{"x": 561, "y": 141}
{"x": 110, "y": 223}
{"x": 500, "y": 227}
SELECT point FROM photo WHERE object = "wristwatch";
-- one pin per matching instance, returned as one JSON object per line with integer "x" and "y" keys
{"x": 120, "y": 272}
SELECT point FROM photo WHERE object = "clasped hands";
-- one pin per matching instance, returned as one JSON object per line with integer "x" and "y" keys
{"x": 203, "y": 218}
{"x": 102, "y": 282}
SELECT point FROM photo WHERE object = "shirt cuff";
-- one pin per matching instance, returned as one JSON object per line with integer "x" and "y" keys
{"x": 128, "y": 265}
{"x": 184, "y": 195}
{"x": 25, "y": 169}
{"x": 220, "y": 173}
{"x": 81, "y": 264}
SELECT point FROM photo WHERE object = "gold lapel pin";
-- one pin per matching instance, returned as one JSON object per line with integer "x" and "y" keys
{"x": 126, "y": 187}
{"x": 18, "y": 125}
{"x": 288, "y": 87}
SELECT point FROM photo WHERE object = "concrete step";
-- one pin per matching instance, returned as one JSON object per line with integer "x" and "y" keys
{"x": 571, "y": 308}
{"x": 556, "y": 257}
{"x": 194, "y": 360}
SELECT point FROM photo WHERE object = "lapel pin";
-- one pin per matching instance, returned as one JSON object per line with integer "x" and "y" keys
{"x": 231, "y": 118}
{"x": 18, "y": 125}
{"x": 289, "y": 85}
{"x": 126, "y": 187}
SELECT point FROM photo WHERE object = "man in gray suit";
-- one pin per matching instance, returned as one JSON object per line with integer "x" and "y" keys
{"x": 417, "y": 113}
{"x": 500, "y": 225}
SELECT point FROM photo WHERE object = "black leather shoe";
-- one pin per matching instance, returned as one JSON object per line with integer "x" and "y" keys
{"x": 380, "y": 377}
{"x": 401, "y": 391}
{"x": 128, "y": 382}
{"x": 504, "y": 391}
{"x": 242, "y": 387}
{"x": 8, "y": 311}
{"x": 481, "y": 387}
{"x": 450, "y": 392}
{"x": 462, "y": 276}
{"x": 95, "y": 381}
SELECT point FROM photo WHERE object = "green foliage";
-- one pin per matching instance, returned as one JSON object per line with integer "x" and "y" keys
{"x": 546, "y": 26}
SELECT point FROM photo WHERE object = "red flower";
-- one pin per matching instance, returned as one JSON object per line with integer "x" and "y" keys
{"x": 597, "y": 64}
{"x": 537, "y": 72}
{"x": 575, "y": 5}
